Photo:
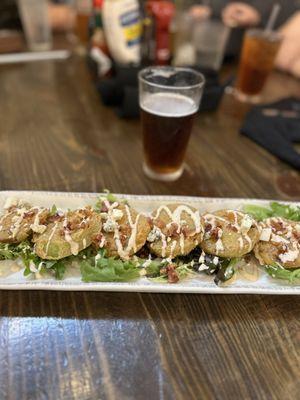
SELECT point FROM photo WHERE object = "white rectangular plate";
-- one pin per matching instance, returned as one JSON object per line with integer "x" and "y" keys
{"x": 200, "y": 284}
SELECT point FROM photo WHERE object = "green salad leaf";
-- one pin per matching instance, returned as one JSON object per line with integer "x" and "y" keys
{"x": 275, "y": 209}
{"x": 153, "y": 269}
{"x": 13, "y": 251}
{"x": 278, "y": 272}
{"x": 226, "y": 270}
{"x": 108, "y": 269}
{"x": 53, "y": 210}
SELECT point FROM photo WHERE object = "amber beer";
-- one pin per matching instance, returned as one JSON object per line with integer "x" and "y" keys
{"x": 257, "y": 60}
{"x": 83, "y": 12}
{"x": 169, "y": 98}
{"x": 167, "y": 121}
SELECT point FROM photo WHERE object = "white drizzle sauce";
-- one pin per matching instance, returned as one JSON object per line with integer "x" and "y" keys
{"x": 74, "y": 247}
{"x": 51, "y": 236}
{"x": 123, "y": 252}
{"x": 175, "y": 217}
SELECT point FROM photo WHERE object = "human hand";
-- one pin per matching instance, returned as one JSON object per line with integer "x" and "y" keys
{"x": 200, "y": 12}
{"x": 288, "y": 58}
{"x": 238, "y": 14}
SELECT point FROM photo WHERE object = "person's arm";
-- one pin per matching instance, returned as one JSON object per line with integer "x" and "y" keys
{"x": 62, "y": 17}
{"x": 288, "y": 58}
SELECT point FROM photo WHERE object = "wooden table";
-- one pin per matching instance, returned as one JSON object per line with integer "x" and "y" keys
{"x": 56, "y": 135}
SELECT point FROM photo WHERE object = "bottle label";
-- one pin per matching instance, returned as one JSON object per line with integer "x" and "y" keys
{"x": 131, "y": 24}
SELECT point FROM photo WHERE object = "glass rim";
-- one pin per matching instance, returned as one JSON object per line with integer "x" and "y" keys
{"x": 198, "y": 74}
{"x": 273, "y": 35}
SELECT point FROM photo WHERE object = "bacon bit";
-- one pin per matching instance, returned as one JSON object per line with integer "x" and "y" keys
{"x": 104, "y": 208}
{"x": 150, "y": 222}
{"x": 123, "y": 239}
{"x": 125, "y": 229}
{"x": 29, "y": 214}
{"x": 208, "y": 228}
{"x": 160, "y": 224}
{"x": 282, "y": 248}
{"x": 96, "y": 240}
{"x": 214, "y": 233}
{"x": 277, "y": 225}
{"x": 54, "y": 218}
{"x": 233, "y": 228}
{"x": 186, "y": 231}
{"x": 296, "y": 235}
{"x": 172, "y": 230}
{"x": 172, "y": 274}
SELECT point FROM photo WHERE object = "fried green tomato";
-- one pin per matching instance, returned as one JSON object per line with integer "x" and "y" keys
{"x": 124, "y": 230}
{"x": 20, "y": 220}
{"x": 177, "y": 230}
{"x": 229, "y": 233}
{"x": 279, "y": 243}
{"x": 68, "y": 234}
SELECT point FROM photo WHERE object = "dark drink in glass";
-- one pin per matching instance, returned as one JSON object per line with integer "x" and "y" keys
{"x": 257, "y": 60}
{"x": 168, "y": 107}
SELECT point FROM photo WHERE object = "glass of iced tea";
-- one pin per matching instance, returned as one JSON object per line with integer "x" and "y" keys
{"x": 259, "y": 50}
{"x": 169, "y": 100}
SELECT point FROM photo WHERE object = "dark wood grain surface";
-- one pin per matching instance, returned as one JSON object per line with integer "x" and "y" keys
{"x": 56, "y": 135}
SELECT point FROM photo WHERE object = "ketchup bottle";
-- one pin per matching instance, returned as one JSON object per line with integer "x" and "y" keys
{"x": 163, "y": 12}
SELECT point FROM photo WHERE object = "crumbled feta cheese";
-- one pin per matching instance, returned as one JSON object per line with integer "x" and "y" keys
{"x": 109, "y": 226}
{"x": 117, "y": 214}
{"x": 265, "y": 234}
{"x": 246, "y": 223}
{"x": 38, "y": 228}
{"x": 203, "y": 267}
{"x": 202, "y": 258}
{"x": 215, "y": 260}
{"x": 154, "y": 235}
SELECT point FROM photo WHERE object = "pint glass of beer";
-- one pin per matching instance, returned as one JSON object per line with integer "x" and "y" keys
{"x": 257, "y": 60}
{"x": 169, "y": 100}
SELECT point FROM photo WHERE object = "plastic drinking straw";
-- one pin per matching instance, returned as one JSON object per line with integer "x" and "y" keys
{"x": 272, "y": 18}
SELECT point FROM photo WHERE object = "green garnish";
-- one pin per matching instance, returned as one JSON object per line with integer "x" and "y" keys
{"x": 275, "y": 209}
{"x": 226, "y": 270}
{"x": 53, "y": 210}
{"x": 108, "y": 269}
{"x": 13, "y": 251}
{"x": 278, "y": 272}
{"x": 153, "y": 269}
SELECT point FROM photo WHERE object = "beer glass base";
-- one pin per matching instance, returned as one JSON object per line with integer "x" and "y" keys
{"x": 40, "y": 46}
{"x": 170, "y": 177}
{"x": 246, "y": 98}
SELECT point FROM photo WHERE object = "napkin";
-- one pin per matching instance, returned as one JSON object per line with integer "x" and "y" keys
{"x": 276, "y": 127}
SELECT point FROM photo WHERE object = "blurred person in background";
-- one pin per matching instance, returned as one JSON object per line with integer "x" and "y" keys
{"x": 61, "y": 15}
{"x": 240, "y": 15}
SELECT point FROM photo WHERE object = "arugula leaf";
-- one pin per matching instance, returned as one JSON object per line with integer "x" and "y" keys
{"x": 278, "y": 272}
{"x": 53, "y": 210}
{"x": 153, "y": 269}
{"x": 257, "y": 212}
{"x": 13, "y": 251}
{"x": 275, "y": 209}
{"x": 59, "y": 269}
{"x": 108, "y": 269}
{"x": 226, "y": 270}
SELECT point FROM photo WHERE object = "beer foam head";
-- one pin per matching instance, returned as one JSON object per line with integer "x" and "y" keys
{"x": 168, "y": 104}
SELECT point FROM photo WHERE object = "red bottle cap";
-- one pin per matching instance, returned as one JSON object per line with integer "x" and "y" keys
{"x": 98, "y": 3}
